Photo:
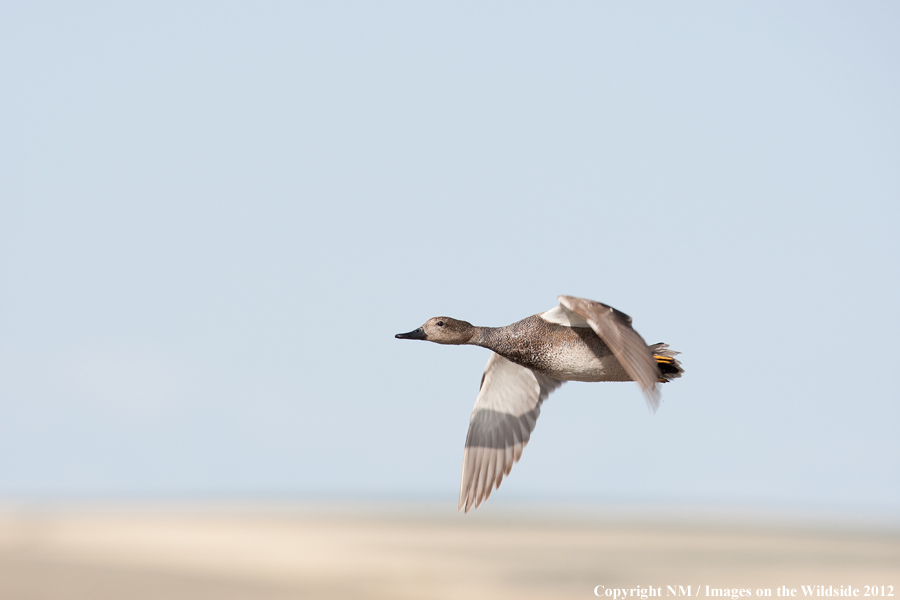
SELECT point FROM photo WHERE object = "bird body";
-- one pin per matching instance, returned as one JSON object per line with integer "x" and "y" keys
{"x": 579, "y": 340}
{"x": 558, "y": 351}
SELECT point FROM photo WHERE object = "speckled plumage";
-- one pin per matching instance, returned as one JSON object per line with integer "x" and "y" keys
{"x": 566, "y": 353}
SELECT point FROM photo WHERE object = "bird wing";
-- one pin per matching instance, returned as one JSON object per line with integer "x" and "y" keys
{"x": 629, "y": 348}
{"x": 504, "y": 416}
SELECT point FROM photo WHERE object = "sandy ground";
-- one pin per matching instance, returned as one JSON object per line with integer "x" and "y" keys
{"x": 230, "y": 554}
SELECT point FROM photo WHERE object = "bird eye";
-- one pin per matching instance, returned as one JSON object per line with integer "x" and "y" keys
{"x": 440, "y": 323}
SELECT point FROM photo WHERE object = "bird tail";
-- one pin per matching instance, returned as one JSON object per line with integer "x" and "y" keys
{"x": 669, "y": 366}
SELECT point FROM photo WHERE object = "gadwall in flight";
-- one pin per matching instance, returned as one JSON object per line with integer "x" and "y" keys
{"x": 579, "y": 340}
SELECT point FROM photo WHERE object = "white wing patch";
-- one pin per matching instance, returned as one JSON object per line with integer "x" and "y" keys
{"x": 627, "y": 345}
{"x": 563, "y": 316}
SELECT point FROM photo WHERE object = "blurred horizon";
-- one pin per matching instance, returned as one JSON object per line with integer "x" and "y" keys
{"x": 798, "y": 518}
{"x": 341, "y": 552}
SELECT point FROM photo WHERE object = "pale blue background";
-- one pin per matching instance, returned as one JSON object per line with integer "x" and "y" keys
{"x": 215, "y": 216}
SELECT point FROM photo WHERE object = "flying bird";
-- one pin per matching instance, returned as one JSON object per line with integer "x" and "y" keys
{"x": 578, "y": 340}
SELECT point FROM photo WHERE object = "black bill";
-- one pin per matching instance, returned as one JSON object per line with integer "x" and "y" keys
{"x": 415, "y": 334}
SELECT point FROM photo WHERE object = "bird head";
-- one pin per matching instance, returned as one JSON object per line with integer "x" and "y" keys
{"x": 441, "y": 330}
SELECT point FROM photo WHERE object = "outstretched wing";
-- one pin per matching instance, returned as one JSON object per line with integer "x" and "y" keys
{"x": 614, "y": 328}
{"x": 504, "y": 416}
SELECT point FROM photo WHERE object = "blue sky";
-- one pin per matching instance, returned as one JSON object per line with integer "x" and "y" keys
{"x": 215, "y": 216}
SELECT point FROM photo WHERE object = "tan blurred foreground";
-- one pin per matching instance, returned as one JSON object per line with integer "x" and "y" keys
{"x": 231, "y": 554}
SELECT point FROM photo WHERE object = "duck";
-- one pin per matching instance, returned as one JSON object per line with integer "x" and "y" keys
{"x": 577, "y": 340}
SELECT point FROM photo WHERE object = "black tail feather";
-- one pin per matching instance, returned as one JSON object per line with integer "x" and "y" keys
{"x": 669, "y": 367}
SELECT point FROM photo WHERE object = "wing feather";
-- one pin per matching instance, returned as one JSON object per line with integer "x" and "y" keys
{"x": 509, "y": 458}
{"x": 629, "y": 348}
{"x": 504, "y": 416}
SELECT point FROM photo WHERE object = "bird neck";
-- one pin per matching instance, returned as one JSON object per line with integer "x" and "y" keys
{"x": 488, "y": 337}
